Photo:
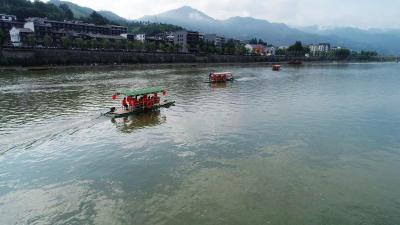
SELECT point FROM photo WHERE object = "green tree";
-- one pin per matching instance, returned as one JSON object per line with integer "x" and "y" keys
{"x": 97, "y": 19}
{"x": 296, "y": 49}
{"x": 66, "y": 42}
{"x": 93, "y": 43}
{"x": 124, "y": 44}
{"x": 150, "y": 46}
{"x": 48, "y": 40}
{"x": 79, "y": 43}
{"x": 2, "y": 37}
{"x": 68, "y": 14}
{"x": 341, "y": 53}
{"x": 31, "y": 39}
{"x": 105, "y": 43}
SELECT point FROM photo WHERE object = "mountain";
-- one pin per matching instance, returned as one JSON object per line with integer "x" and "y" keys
{"x": 245, "y": 28}
{"x": 80, "y": 11}
{"x": 387, "y": 40}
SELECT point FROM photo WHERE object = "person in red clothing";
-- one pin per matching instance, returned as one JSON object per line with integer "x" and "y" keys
{"x": 124, "y": 103}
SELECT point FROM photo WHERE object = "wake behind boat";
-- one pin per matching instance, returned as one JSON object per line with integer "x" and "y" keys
{"x": 139, "y": 101}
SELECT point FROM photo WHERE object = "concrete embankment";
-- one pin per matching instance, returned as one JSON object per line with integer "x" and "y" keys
{"x": 64, "y": 57}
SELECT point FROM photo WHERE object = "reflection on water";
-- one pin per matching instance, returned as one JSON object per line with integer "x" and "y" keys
{"x": 135, "y": 122}
{"x": 308, "y": 145}
{"x": 218, "y": 85}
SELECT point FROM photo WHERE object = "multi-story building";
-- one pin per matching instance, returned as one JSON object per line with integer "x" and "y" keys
{"x": 57, "y": 29}
{"x": 140, "y": 37}
{"x": 7, "y": 22}
{"x": 187, "y": 40}
{"x": 218, "y": 41}
{"x": 19, "y": 35}
{"x": 256, "y": 49}
{"x": 43, "y": 25}
{"x": 320, "y": 49}
{"x": 193, "y": 41}
{"x": 9, "y": 18}
{"x": 166, "y": 37}
{"x": 270, "y": 50}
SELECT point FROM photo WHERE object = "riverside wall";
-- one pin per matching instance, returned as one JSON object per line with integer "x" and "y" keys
{"x": 49, "y": 57}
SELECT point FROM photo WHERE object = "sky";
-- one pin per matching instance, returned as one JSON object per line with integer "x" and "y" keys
{"x": 325, "y": 13}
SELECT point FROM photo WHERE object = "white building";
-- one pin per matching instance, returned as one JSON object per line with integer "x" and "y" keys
{"x": 320, "y": 49}
{"x": 270, "y": 50}
{"x": 140, "y": 37}
{"x": 17, "y": 35}
{"x": 218, "y": 41}
{"x": 180, "y": 38}
{"x": 7, "y": 18}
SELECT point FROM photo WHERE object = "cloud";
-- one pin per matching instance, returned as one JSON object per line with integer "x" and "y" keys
{"x": 366, "y": 14}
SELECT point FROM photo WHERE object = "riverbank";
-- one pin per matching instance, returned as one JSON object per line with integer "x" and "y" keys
{"x": 45, "y": 59}
{"x": 97, "y": 67}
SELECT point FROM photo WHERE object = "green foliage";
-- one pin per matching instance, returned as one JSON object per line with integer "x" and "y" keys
{"x": 67, "y": 11}
{"x": 150, "y": 29}
{"x": 150, "y": 46}
{"x": 297, "y": 49}
{"x": 368, "y": 53}
{"x": 105, "y": 43}
{"x": 48, "y": 41}
{"x": 341, "y": 53}
{"x": 25, "y": 8}
{"x": 281, "y": 52}
{"x": 66, "y": 42}
{"x": 79, "y": 43}
{"x": 96, "y": 19}
{"x": 254, "y": 41}
{"x": 2, "y": 37}
{"x": 31, "y": 40}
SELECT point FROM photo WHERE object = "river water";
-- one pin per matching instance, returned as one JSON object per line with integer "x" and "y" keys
{"x": 307, "y": 145}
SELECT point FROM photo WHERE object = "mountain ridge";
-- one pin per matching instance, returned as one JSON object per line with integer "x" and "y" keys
{"x": 282, "y": 34}
{"x": 81, "y": 11}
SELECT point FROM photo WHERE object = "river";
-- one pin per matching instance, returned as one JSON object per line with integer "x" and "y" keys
{"x": 309, "y": 145}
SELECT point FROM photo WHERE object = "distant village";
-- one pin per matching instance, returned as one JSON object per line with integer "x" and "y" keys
{"x": 45, "y": 33}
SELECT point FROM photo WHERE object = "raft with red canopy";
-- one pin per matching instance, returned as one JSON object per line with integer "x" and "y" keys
{"x": 139, "y": 100}
{"x": 220, "y": 77}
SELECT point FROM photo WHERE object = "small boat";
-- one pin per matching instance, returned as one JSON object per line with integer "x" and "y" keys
{"x": 276, "y": 67}
{"x": 220, "y": 77}
{"x": 295, "y": 62}
{"x": 139, "y": 100}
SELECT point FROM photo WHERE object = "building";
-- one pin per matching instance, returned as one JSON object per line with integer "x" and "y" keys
{"x": 7, "y": 22}
{"x": 166, "y": 37}
{"x": 43, "y": 25}
{"x": 256, "y": 49}
{"x": 270, "y": 50}
{"x": 320, "y": 49}
{"x": 8, "y": 18}
{"x": 140, "y": 37}
{"x": 218, "y": 41}
{"x": 187, "y": 40}
{"x": 19, "y": 35}
{"x": 180, "y": 38}
{"x": 193, "y": 41}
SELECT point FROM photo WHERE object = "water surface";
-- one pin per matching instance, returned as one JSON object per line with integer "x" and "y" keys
{"x": 307, "y": 145}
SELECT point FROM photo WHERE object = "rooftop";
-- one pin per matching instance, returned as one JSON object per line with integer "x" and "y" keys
{"x": 142, "y": 91}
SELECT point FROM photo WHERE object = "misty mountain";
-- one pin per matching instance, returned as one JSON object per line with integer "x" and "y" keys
{"x": 81, "y": 12}
{"x": 245, "y": 28}
{"x": 387, "y": 40}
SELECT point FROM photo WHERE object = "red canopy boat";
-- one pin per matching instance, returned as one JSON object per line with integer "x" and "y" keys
{"x": 223, "y": 77}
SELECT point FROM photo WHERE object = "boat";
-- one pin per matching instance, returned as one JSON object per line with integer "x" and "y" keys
{"x": 221, "y": 77}
{"x": 137, "y": 101}
{"x": 276, "y": 67}
{"x": 295, "y": 62}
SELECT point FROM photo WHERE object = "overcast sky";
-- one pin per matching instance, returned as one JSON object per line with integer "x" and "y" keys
{"x": 358, "y": 13}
